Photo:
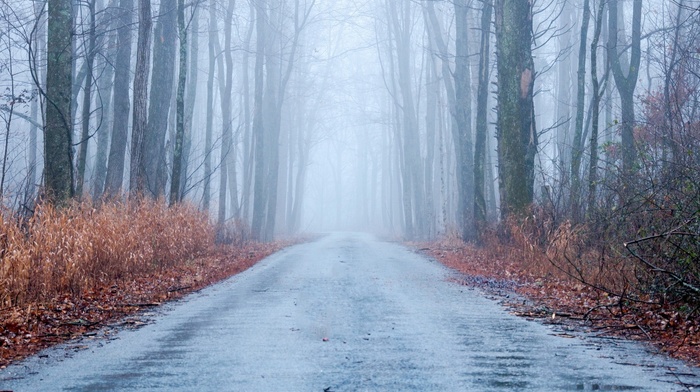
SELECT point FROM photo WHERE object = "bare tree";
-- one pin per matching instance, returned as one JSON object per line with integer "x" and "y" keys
{"x": 625, "y": 80}
{"x": 138, "y": 177}
{"x": 122, "y": 104}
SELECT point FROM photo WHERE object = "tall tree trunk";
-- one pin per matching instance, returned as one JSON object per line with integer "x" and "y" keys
{"x": 577, "y": 148}
{"x": 175, "y": 195}
{"x": 190, "y": 97}
{"x": 595, "y": 92}
{"x": 87, "y": 100}
{"x": 164, "y": 57}
{"x": 517, "y": 136}
{"x": 247, "y": 120}
{"x": 105, "y": 86}
{"x": 272, "y": 113}
{"x": 208, "y": 147}
{"x": 122, "y": 104}
{"x": 563, "y": 135}
{"x": 481, "y": 117}
{"x": 58, "y": 153}
{"x": 436, "y": 34}
{"x": 463, "y": 143}
{"x": 39, "y": 73}
{"x": 670, "y": 115}
{"x": 137, "y": 178}
{"x": 401, "y": 24}
{"x": 625, "y": 80}
{"x": 227, "y": 165}
{"x": 432, "y": 84}
{"x": 259, "y": 202}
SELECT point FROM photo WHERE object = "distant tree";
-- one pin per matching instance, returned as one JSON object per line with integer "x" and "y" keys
{"x": 122, "y": 104}
{"x": 463, "y": 113}
{"x": 209, "y": 126}
{"x": 577, "y": 147}
{"x": 105, "y": 86}
{"x": 90, "y": 53}
{"x": 58, "y": 146}
{"x": 625, "y": 79}
{"x": 596, "y": 93}
{"x": 137, "y": 178}
{"x": 162, "y": 81}
{"x": 401, "y": 26}
{"x": 227, "y": 166}
{"x": 259, "y": 201}
{"x": 175, "y": 195}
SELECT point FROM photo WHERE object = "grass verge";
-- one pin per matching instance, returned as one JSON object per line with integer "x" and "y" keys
{"x": 67, "y": 272}
{"x": 558, "y": 297}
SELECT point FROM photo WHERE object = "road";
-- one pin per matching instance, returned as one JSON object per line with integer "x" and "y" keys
{"x": 344, "y": 313}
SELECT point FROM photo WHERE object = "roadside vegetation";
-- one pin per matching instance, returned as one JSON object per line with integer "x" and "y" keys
{"x": 629, "y": 272}
{"x": 67, "y": 271}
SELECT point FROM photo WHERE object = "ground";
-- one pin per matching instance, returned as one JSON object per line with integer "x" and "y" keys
{"x": 535, "y": 293}
{"x": 345, "y": 312}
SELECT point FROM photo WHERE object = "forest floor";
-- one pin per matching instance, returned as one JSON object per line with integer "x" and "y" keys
{"x": 27, "y": 330}
{"x": 507, "y": 274}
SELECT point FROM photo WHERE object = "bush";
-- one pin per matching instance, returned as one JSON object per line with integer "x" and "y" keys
{"x": 69, "y": 250}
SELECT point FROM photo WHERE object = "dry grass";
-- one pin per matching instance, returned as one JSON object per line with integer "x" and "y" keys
{"x": 578, "y": 271}
{"x": 80, "y": 247}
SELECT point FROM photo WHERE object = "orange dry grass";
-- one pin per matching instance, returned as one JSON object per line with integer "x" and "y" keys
{"x": 568, "y": 271}
{"x": 77, "y": 248}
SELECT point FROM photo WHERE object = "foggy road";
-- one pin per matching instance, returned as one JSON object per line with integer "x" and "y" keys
{"x": 344, "y": 313}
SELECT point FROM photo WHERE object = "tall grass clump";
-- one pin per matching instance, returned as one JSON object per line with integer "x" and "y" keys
{"x": 82, "y": 246}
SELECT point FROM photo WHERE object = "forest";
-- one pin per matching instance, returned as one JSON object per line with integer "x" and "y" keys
{"x": 568, "y": 130}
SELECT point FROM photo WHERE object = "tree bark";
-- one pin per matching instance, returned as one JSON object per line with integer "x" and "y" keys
{"x": 593, "y": 161}
{"x": 481, "y": 117}
{"x": 122, "y": 104}
{"x": 87, "y": 99}
{"x": 248, "y": 144}
{"x": 259, "y": 201}
{"x": 577, "y": 148}
{"x": 190, "y": 97}
{"x": 164, "y": 57}
{"x": 564, "y": 118}
{"x": 227, "y": 167}
{"x": 463, "y": 143}
{"x": 625, "y": 84}
{"x": 137, "y": 179}
{"x": 58, "y": 153}
{"x": 209, "y": 127}
{"x": 414, "y": 203}
{"x": 517, "y": 136}
{"x": 175, "y": 195}
{"x": 105, "y": 87}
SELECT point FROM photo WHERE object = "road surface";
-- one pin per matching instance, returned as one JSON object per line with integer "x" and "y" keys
{"x": 344, "y": 313}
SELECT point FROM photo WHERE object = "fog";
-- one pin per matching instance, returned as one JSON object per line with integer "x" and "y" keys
{"x": 373, "y": 115}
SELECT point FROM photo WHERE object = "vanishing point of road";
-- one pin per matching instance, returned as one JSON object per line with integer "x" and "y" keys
{"x": 346, "y": 312}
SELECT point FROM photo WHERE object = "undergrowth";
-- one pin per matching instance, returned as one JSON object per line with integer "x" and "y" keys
{"x": 82, "y": 246}
{"x": 587, "y": 272}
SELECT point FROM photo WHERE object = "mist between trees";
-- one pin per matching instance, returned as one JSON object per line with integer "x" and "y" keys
{"x": 412, "y": 118}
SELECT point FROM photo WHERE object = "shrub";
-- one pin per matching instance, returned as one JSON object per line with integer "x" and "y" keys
{"x": 69, "y": 250}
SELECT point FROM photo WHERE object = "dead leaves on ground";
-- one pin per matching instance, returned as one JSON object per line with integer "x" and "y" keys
{"x": 554, "y": 299}
{"x": 24, "y": 330}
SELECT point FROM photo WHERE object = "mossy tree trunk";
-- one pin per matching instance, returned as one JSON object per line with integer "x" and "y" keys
{"x": 58, "y": 167}
{"x": 517, "y": 136}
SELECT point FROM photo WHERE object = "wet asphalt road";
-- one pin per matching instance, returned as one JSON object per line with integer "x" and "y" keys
{"x": 344, "y": 313}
